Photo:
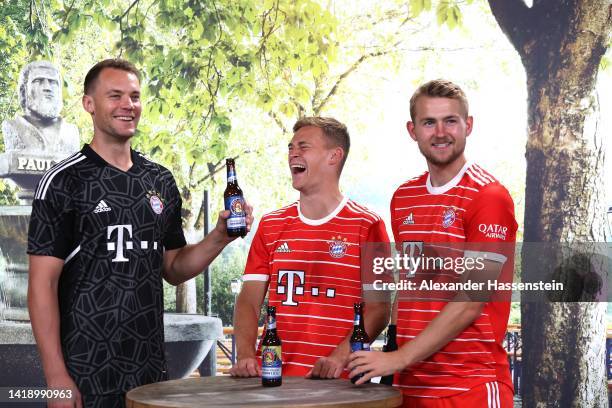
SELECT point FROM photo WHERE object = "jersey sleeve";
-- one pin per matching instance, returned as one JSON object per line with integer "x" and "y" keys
{"x": 378, "y": 232}
{"x": 51, "y": 229}
{"x": 394, "y": 222}
{"x": 257, "y": 266}
{"x": 490, "y": 225}
{"x": 374, "y": 250}
{"x": 174, "y": 237}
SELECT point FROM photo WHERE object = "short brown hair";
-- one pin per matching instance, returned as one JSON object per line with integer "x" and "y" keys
{"x": 439, "y": 88}
{"x": 116, "y": 63}
{"x": 335, "y": 132}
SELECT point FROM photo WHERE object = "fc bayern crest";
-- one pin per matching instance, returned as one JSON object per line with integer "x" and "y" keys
{"x": 337, "y": 247}
{"x": 157, "y": 205}
{"x": 448, "y": 217}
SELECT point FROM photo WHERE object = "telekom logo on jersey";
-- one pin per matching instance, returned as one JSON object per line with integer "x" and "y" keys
{"x": 295, "y": 287}
{"x": 122, "y": 242}
{"x": 292, "y": 287}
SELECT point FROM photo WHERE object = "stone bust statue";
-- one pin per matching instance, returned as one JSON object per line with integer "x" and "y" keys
{"x": 41, "y": 129}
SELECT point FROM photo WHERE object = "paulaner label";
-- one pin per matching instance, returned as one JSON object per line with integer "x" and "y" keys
{"x": 237, "y": 217}
{"x": 271, "y": 362}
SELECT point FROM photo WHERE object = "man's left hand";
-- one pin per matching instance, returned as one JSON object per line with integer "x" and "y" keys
{"x": 374, "y": 364}
{"x": 328, "y": 367}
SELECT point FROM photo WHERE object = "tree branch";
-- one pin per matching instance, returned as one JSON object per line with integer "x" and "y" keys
{"x": 318, "y": 108}
{"x": 278, "y": 121}
{"x": 31, "y": 15}
{"x": 213, "y": 168}
{"x": 514, "y": 18}
{"x": 127, "y": 11}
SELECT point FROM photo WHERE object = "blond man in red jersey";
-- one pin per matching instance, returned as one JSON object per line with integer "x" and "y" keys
{"x": 450, "y": 353}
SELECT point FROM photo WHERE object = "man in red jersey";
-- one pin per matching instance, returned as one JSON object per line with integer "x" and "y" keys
{"x": 450, "y": 353}
{"x": 307, "y": 257}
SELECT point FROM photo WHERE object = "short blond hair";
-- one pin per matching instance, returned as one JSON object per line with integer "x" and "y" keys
{"x": 439, "y": 88}
{"x": 335, "y": 132}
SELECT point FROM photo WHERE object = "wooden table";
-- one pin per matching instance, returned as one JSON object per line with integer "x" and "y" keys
{"x": 248, "y": 392}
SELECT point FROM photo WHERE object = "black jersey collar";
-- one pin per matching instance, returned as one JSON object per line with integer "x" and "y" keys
{"x": 95, "y": 157}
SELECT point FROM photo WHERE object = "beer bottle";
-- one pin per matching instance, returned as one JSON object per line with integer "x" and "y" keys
{"x": 234, "y": 202}
{"x": 271, "y": 362}
{"x": 359, "y": 339}
{"x": 390, "y": 345}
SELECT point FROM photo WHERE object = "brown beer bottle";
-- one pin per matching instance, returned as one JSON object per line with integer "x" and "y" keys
{"x": 359, "y": 339}
{"x": 391, "y": 345}
{"x": 271, "y": 361}
{"x": 234, "y": 202}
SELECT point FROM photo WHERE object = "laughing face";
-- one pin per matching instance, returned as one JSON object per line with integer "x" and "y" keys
{"x": 114, "y": 103}
{"x": 440, "y": 129}
{"x": 311, "y": 160}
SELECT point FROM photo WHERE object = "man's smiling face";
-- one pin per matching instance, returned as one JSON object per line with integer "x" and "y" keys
{"x": 440, "y": 129}
{"x": 114, "y": 103}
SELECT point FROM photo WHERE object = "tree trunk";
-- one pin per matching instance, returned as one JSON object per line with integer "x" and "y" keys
{"x": 186, "y": 301}
{"x": 561, "y": 43}
{"x": 186, "y": 297}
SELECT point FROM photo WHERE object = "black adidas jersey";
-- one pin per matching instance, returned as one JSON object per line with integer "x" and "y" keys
{"x": 111, "y": 228}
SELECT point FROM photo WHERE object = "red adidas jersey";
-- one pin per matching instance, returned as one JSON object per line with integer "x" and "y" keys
{"x": 314, "y": 274}
{"x": 472, "y": 208}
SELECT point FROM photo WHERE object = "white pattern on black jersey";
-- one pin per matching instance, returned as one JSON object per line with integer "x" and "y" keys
{"x": 100, "y": 221}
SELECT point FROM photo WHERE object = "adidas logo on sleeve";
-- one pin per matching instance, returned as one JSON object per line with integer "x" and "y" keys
{"x": 101, "y": 207}
{"x": 409, "y": 220}
{"x": 283, "y": 248}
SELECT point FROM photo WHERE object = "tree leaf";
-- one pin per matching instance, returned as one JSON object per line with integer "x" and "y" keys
{"x": 198, "y": 30}
{"x": 416, "y": 7}
{"x": 458, "y": 15}
{"x": 605, "y": 63}
{"x": 442, "y": 12}
{"x": 453, "y": 14}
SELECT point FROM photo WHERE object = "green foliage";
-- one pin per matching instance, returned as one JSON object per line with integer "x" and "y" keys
{"x": 12, "y": 56}
{"x": 228, "y": 267}
{"x": 515, "y": 313}
{"x": 29, "y": 20}
{"x": 202, "y": 60}
{"x": 8, "y": 194}
{"x": 448, "y": 12}
{"x": 418, "y": 6}
{"x": 606, "y": 61}
{"x": 169, "y": 298}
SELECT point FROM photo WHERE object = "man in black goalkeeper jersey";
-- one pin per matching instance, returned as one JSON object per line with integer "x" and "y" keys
{"x": 105, "y": 229}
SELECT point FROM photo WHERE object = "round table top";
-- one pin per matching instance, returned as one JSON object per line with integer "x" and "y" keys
{"x": 248, "y": 392}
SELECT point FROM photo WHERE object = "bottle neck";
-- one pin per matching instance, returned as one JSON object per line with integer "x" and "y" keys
{"x": 358, "y": 320}
{"x": 271, "y": 326}
{"x": 231, "y": 175}
{"x": 391, "y": 335}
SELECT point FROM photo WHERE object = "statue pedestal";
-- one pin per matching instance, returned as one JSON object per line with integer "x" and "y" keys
{"x": 14, "y": 221}
{"x": 26, "y": 168}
